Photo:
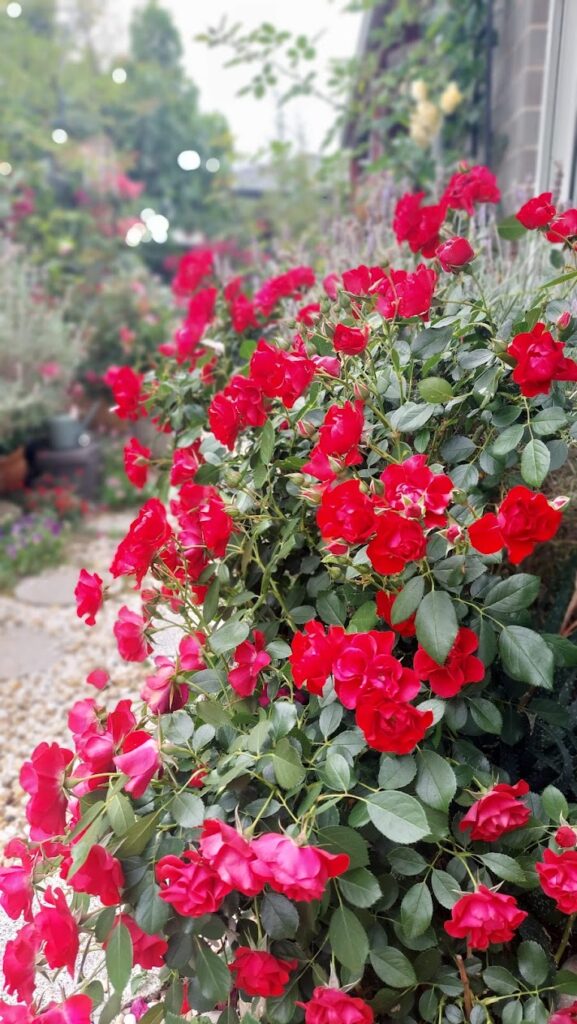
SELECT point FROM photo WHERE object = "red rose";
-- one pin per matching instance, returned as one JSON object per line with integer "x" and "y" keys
{"x": 403, "y": 294}
{"x": 398, "y": 541}
{"x": 331, "y": 285}
{"x": 136, "y": 461}
{"x": 190, "y": 651}
{"x": 331, "y": 1006}
{"x": 563, "y": 228}
{"x": 391, "y": 726}
{"x": 537, "y": 212}
{"x": 16, "y": 889}
{"x": 185, "y": 464}
{"x": 497, "y": 812}
{"x": 240, "y": 405}
{"x": 385, "y": 602}
{"x": 418, "y": 225}
{"x": 261, "y": 974}
{"x": 522, "y": 521}
{"x": 129, "y": 630}
{"x": 139, "y": 760}
{"x": 469, "y": 186}
{"x": 147, "y": 536}
{"x": 148, "y": 951}
{"x": 288, "y": 285}
{"x": 558, "y": 877}
{"x": 460, "y": 668}
{"x": 341, "y": 430}
{"x": 350, "y": 340}
{"x": 199, "y": 315}
{"x": 300, "y": 873}
{"x": 43, "y": 778}
{"x": 231, "y": 856}
{"x": 363, "y": 280}
{"x": 564, "y": 1015}
{"x": 74, "y": 1010}
{"x": 564, "y": 836}
{"x": 455, "y": 253}
{"x": 100, "y": 875}
{"x": 364, "y": 661}
{"x": 249, "y": 661}
{"x": 89, "y": 596}
{"x": 281, "y": 374}
{"x": 58, "y": 931}
{"x": 203, "y": 519}
{"x": 162, "y": 692}
{"x": 126, "y": 387}
{"x": 19, "y": 963}
{"x": 540, "y": 361}
{"x": 313, "y": 654}
{"x": 190, "y": 885}
{"x": 193, "y": 267}
{"x": 346, "y": 513}
{"x": 485, "y": 917}
{"x": 308, "y": 314}
{"x": 411, "y": 488}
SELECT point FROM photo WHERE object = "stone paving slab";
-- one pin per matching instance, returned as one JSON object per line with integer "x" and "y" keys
{"x": 49, "y": 588}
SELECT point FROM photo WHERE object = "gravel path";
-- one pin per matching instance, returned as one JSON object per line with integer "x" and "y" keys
{"x": 46, "y": 652}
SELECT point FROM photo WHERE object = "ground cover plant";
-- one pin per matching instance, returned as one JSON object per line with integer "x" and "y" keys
{"x": 315, "y": 812}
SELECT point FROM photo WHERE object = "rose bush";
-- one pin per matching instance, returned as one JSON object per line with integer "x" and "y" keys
{"x": 310, "y": 814}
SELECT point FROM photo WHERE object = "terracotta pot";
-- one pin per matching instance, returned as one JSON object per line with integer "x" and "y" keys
{"x": 13, "y": 469}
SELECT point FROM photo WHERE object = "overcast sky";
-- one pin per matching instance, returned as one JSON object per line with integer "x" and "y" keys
{"x": 254, "y": 122}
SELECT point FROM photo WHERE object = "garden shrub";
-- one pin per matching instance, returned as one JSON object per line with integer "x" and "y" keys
{"x": 317, "y": 811}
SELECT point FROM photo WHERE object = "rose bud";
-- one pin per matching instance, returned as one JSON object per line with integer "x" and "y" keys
{"x": 566, "y": 837}
{"x": 454, "y": 254}
{"x": 564, "y": 320}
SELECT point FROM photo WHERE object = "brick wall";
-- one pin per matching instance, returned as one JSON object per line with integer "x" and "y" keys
{"x": 517, "y": 91}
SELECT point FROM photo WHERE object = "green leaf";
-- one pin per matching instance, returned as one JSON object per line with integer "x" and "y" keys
{"x": 104, "y": 923}
{"x": 445, "y": 887}
{"x": 229, "y": 636}
{"x": 564, "y": 650}
{"x": 533, "y": 963}
{"x": 396, "y": 772}
{"x": 138, "y": 835}
{"x": 511, "y": 229}
{"x": 436, "y": 783}
{"x": 410, "y": 416}
{"x": 406, "y": 862}
{"x": 213, "y": 976}
{"x": 119, "y": 957}
{"x": 360, "y": 887}
{"x": 513, "y": 594}
{"x": 279, "y": 916}
{"x": 393, "y": 967}
{"x": 211, "y": 601}
{"x": 348, "y": 939}
{"x": 408, "y": 600}
{"x": 187, "y": 810}
{"x": 154, "y": 1015}
{"x": 526, "y": 656}
{"x": 486, "y": 716}
{"x": 288, "y": 768}
{"x": 398, "y": 816}
{"x": 331, "y": 609}
{"x": 554, "y": 803}
{"x": 336, "y": 773}
{"x": 549, "y": 421}
{"x": 416, "y": 910}
{"x": 151, "y": 913}
{"x": 364, "y": 619}
{"x": 535, "y": 462}
{"x": 120, "y": 814}
{"x": 340, "y": 839}
{"x": 437, "y": 625}
{"x": 267, "y": 442}
{"x": 111, "y": 1009}
{"x": 435, "y": 389}
{"x": 330, "y": 718}
{"x": 503, "y": 866}
{"x": 278, "y": 649}
{"x": 500, "y": 980}
{"x": 508, "y": 440}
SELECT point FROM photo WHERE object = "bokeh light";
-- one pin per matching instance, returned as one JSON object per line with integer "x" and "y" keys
{"x": 14, "y": 10}
{"x": 188, "y": 160}
{"x": 59, "y": 136}
{"x": 119, "y": 76}
{"x": 5, "y": 168}
{"x": 212, "y": 165}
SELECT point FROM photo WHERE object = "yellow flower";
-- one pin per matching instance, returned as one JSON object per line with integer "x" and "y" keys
{"x": 451, "y": 98}
{"x": 419, "y": 90}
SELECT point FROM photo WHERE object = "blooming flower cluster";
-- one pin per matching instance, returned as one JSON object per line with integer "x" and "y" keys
{"x": 309, "y": 810}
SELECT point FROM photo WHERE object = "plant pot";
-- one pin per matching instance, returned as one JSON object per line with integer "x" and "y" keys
{"x": 64, "y": 432}
{"x": 13, "y": 469}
